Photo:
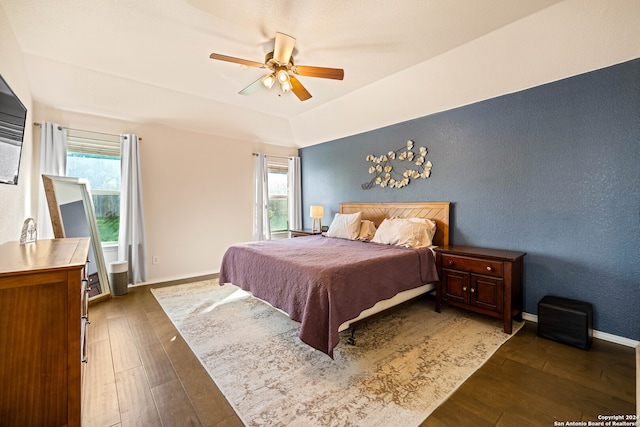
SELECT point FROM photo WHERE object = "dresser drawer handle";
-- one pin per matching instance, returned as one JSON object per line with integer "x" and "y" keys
{"x": 489, "y": 269}
{"x": 450, "y": 262}
{"x": 464, "y": 289}
{"x": 472, "y": 290}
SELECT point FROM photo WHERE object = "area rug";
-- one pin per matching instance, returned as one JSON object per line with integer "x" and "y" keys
{"x": 404, "y": 364}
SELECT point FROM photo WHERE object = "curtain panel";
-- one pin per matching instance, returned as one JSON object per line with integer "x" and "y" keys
{"x": 295, "y": 193}
{"x": 131, "y": 240}
{"x": 53, "y": 161}
{"x": 261, "y": 227}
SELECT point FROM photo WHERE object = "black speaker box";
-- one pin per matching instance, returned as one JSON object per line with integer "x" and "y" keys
{"x": 566, "y": 320}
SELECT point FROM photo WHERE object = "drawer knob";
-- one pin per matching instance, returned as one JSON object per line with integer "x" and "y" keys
{"x": 489, "y": 268}
{"x": 464, "y": 288}
{"x": 472, "y": 290}
{"x": 450, "y": 262}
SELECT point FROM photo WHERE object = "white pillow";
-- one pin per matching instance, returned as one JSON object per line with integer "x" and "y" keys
{"x": 409, "y": 232}
{"x": 431, "y": 227}
{"x": 345, "y": 226}
{"x": 367, "y": 230}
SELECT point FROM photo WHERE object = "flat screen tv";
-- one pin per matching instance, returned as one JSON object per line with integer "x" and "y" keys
{"x": 13, "y": 116}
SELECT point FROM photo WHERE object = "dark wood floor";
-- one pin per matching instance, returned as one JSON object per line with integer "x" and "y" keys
{"x": 141, "y": 372}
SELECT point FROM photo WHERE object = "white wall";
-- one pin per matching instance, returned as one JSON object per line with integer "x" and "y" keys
{"x": 197, "y": 190}
{"x": 15, "y": 200}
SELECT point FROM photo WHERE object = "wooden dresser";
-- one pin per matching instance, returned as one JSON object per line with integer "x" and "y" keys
{"x": 487, "y": 281}
{"x": 42, "y": 323}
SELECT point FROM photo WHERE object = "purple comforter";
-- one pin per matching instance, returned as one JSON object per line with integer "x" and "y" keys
{"x": 322, "y": 282}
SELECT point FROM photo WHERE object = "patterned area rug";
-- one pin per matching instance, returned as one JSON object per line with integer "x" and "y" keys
{"x": 405, "y": 363}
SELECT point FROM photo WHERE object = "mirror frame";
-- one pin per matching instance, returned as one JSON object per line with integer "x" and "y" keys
{"x": 58, "y": 225}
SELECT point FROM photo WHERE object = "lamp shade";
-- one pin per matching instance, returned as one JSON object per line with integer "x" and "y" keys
{"x": 283, "y": 76}
{"x": 317, "y": 211}
{"x": 269, "y": 80}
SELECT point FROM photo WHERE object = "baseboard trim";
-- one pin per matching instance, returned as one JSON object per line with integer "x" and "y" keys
{"x": 596, "y": 334}
{"x": 167, "y": 280}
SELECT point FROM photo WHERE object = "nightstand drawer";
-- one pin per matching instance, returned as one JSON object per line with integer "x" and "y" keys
{"x": 472, "y": 265}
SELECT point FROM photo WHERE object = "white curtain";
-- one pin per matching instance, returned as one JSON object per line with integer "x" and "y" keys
{"x": 295, "y": 193}
{"x": 131, "y": 240}
{"x": 261, "y": 228}
{"x": 53, "y": 161}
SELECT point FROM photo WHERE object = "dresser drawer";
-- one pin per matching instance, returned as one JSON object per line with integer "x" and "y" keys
{"x": 472, "y": 265}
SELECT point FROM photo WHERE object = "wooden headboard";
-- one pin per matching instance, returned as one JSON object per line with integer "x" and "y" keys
{"x": 435, "y": 211}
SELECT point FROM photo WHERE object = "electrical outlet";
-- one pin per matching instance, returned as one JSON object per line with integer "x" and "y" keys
{"x": 155, "y": 259}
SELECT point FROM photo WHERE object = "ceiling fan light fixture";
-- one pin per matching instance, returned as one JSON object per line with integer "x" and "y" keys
{"x": 285, "y": 86}
{"x": 283, "y": 76}
{"x": 269, "y": 80}
{"x": 280, "y": 66}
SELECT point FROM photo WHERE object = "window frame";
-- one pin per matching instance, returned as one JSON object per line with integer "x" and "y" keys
{"x": 275, "y": 166}
{"x": 81, "y": 142}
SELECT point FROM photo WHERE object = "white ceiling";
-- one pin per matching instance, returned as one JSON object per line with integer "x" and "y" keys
{"x": 147, "y": 61}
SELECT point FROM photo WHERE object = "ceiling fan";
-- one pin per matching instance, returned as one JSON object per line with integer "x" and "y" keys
{"x": 281, "y": 68}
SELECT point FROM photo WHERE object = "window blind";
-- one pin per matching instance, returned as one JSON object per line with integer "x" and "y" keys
{"x": 87, "y": 142}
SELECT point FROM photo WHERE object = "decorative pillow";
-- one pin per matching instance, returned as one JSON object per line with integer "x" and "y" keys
{"x": 408, "y": 232}
{"x": 345, "y": 226}
{"x": 367, "y": 230}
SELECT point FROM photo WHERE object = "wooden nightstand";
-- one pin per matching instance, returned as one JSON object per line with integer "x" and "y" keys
{"x": 487, "y": 281}
{"x": 303, "y": 232}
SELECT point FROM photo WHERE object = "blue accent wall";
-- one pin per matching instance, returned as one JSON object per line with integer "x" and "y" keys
{"x": 553, "y": 171}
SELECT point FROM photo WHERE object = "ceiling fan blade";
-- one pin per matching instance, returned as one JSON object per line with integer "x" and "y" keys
{"x": 283, "y": 48}
{"x": 300, "y": 91}
{"x": 325, "y": 73}
{"x": 237, "y": 60}
{"x": 252, "y": 87}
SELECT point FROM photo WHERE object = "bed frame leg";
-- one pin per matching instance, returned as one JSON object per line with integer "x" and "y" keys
{"x": 352, "y": 339}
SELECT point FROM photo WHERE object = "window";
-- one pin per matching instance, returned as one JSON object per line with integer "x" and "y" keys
{"x": 96, "y": 157}
{"x": 278, "y": 197}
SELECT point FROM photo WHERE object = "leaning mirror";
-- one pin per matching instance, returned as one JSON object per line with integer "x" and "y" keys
{"x": 72, "y": 215}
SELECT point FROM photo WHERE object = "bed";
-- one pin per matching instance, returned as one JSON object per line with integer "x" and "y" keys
{"x": 327, "y": 283}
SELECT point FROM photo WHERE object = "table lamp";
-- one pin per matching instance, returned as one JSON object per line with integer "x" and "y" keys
{"x": 317, "y": 212}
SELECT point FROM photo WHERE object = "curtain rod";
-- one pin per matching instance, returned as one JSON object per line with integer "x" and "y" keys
{"x": 277, "y": 157}
{"x": 83, "y": 130}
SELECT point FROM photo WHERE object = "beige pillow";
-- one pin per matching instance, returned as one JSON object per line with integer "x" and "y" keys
{"x": 431, "y": 228}
{"x": 345, "y": 226}
{"x": 408, "y": 232}
{"x": 367, "y": 230}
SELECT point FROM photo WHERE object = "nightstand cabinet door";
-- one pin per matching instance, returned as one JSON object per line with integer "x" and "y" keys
{"x": 455, "y": 286}
{"x": 480, "y": 291}
{"x": 486, "y": 293}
